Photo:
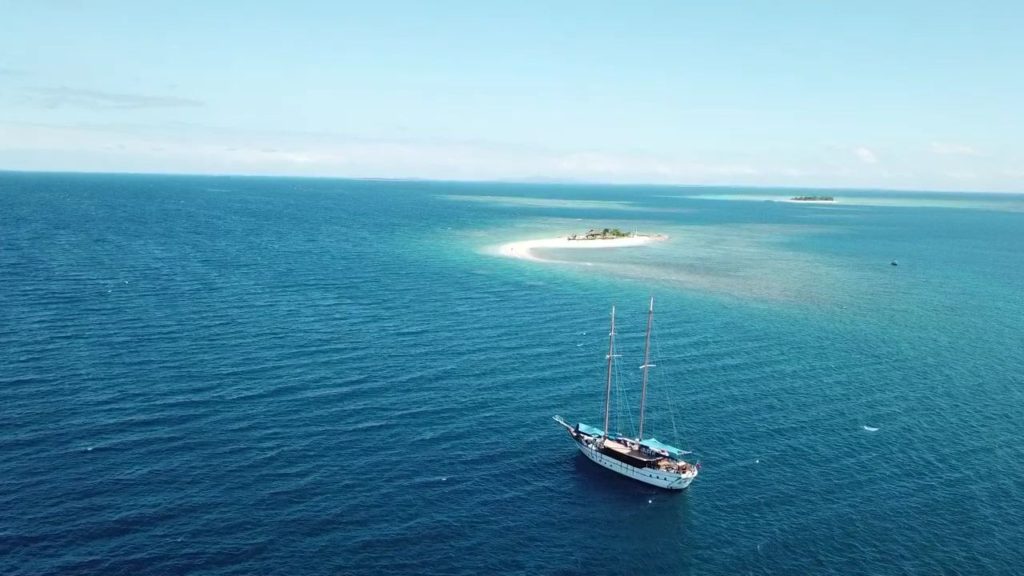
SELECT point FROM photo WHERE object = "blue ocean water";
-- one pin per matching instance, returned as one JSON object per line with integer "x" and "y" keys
{"x": 223, "y": 375}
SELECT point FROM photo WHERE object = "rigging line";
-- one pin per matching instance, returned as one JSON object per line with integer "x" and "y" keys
{"x": 630, "y": 421}
{"x": 672, "y": 415}
{"x": 617, "y": 392}
{"x": 629, "y": 414}
{"x": 618, "y": 401}
{"x": 670, "y": 403}
{"x": 608, "y": 383}
{"x": 623, "y": 402}
{"x": 675, "y": 429}
{"x": 616, "y": 397}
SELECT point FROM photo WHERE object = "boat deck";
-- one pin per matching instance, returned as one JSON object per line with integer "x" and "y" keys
{"x": 626, "y": 451}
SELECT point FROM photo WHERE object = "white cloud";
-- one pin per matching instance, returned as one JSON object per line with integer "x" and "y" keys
{"x": 631, "y": 167}
{"x": 966, "y": 175}
{"x": 866, "y": 156}
{"x": 195, "y": 149}
{"x": 215, "y": 151}
{"x": 953, "y": 149}
{"x": 63, "y": 96}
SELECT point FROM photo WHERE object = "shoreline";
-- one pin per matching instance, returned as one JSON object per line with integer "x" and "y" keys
{"x": 792, "y": 201}
{"x": 523, "y": 249}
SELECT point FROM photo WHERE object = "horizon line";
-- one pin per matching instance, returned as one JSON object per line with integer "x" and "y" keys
{"x": 522, "y": 182}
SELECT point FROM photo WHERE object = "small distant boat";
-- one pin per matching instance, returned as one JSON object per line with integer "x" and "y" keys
{"x": 644, "y": 459}
{"x": 894, "y": 263}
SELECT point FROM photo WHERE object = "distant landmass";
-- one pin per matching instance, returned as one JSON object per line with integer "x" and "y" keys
{"x": 813, "y": 199}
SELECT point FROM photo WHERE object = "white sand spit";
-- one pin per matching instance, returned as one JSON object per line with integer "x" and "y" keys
{"x": 792, "y": 201}
{"x": 524, "y": 248}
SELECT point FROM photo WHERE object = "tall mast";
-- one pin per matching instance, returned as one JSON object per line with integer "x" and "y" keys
{"x": 608, "y": 386}
{"x": 646, "y": 366}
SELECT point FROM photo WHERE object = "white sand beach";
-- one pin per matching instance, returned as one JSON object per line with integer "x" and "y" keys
{"x": 794, "y": 201}
{"x": 524, "y": 248}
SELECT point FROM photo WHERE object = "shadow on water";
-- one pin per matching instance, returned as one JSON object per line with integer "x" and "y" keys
{"x": 649, "y": 525}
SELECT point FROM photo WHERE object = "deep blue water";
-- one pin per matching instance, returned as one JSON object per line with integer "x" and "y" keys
{"x": 280, "y": 376}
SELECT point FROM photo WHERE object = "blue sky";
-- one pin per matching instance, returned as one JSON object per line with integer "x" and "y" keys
{"x": 901, "y": 94}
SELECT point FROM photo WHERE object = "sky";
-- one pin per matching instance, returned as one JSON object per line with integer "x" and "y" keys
{"x": 893, "y": 94}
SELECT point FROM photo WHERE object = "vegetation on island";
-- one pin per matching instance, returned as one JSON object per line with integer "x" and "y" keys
{"x": 605, "y": 234}
{"x": 813, "y": 199}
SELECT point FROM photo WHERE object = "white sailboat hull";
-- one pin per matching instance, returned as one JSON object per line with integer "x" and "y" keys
{"x": 652, "y": 476}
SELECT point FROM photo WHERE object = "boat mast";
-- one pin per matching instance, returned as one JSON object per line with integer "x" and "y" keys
{"x": 608, "y": 386}
{"x": 645, "y": 367}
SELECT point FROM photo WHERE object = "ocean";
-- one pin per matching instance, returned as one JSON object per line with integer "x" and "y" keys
{"x": 230, "y": 375}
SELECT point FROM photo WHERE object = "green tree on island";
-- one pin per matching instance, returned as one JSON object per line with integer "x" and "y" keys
{"x": 604, "y": 234}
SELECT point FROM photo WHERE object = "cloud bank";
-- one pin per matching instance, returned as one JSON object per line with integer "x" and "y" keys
{"x": 63, "y": 96}
{"x": 208, "y": 150}
{"x": 951, "y": 149}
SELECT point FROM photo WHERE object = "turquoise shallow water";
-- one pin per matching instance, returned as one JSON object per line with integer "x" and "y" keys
{"x": 280, "y": 376}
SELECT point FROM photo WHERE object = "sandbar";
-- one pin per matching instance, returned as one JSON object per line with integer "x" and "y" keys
{"x": 524, "y": 248}
{"x": 795, "y": 201}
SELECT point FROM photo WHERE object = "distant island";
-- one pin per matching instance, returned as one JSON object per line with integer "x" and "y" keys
{"x": 813, "y": 199}
{"x": 605, "y": 234}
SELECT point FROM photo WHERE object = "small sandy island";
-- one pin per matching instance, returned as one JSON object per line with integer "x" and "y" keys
{"x": 812, "y": 199}
{"x": 524, "y": 248}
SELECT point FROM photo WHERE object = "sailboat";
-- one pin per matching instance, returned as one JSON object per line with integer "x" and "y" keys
{"x": 644, "y": 459}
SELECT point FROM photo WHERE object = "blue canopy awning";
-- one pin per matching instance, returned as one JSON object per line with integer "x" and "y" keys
{"x": 589, "y": 430}
{"x": 655, "y": 446}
